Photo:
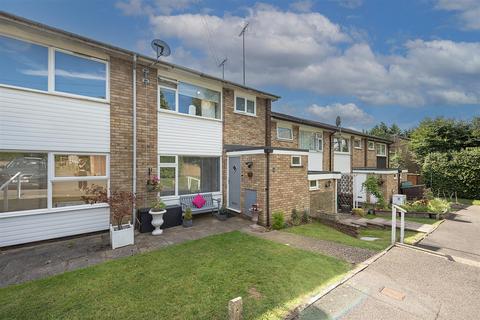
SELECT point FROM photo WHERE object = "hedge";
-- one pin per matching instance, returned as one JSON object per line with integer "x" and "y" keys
{"x": 456, "y": 171}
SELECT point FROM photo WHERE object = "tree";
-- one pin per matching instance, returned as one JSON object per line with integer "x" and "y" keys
{"x": 383, "y": 131}
{"x": 439, "y": 135}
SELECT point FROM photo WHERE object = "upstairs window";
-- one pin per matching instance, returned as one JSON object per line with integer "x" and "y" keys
{"x": 80, "y": 75}
{"x": 310, "y": 141}
{"x": 341, "y": 145}
{"x": 198, "y": 101}
{"x": 381, "y": 149}
{"x": 371, "y": 145}
{"x": 357, "y": 144}
{"x": 284, "y": 133}
{"x": 245, "y": 105}
{"x": 23, "y": 64}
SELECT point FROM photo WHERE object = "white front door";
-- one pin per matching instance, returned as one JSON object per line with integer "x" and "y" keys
{"x": 358, "y": 189}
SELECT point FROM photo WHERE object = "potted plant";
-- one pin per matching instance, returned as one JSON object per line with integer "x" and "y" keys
{"x": 222, "y": 214}
{"x": 121, "y": 206}
{"x": 187, "y": 218}
{"x": 157, "y": 211}
{"x": 153, "y": 183}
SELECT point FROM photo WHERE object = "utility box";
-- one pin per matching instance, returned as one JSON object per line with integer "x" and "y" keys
{"x": 399, "y": 199}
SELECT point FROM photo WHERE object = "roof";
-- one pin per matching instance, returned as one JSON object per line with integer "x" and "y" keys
{"x": 287, "y": 117}
{"x": 110, "y": 47}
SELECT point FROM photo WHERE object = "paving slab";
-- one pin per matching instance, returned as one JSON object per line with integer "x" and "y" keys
{"x": 350, "y": 254}
{"x": 431, "y": 287}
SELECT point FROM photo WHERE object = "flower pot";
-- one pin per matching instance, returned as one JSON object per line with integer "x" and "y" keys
{"x": 157, "y": 221}
{"x": 151, "y": 187}
{"x": 121, "y": 237}
{"x": 187, "y": 223}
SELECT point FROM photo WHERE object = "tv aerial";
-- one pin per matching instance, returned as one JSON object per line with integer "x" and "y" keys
{"x": 161, "y": 48}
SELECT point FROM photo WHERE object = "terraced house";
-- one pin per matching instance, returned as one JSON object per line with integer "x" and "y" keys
{"x": 77, "y": 113}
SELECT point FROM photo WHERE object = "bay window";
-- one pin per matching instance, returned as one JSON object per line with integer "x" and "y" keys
{"x": 341, "y": 145}
{"x": 48, "y": 180}
{"x": 180, "y": 175}
{"x": 33, "y": 66}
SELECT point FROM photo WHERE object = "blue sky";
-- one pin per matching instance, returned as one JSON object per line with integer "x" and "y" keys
{"x": 366, "y": 60}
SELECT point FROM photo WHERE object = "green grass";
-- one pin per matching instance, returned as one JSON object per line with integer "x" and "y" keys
{"x": 469, "y": 202}
{"x": 323, "y": 232}
{"x": 193, "y": 280}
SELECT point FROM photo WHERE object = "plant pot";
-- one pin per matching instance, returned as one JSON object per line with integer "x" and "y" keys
{"x": 157, "y": 221}
{"x": 187, "y": 223}
{"x": 151, "y": 187}
{"x": 121, "y": 237}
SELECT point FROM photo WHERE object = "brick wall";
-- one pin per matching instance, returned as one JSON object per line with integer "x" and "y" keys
{"x": 121, "y": 125}
{"x": 288, "y": 185}
{"x": 254, "y": 178}
{"x": 389, "y": 186}
{"x": 323, "y": 199}
{"x": 293, "y": 144}
{"x": 240, "y": 129}
{"x": 359, "y": 156}
{"x": 147, "y": 132}
{"x": 371, "y": 159}
{"x": 326, "y": 150}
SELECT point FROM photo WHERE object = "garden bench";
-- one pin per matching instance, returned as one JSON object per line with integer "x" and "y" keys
{"x": 211, "y": 204}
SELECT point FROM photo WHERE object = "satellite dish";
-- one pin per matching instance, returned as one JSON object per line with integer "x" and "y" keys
{"x": 161, "y": 48}
{"x": 338, "y": 121}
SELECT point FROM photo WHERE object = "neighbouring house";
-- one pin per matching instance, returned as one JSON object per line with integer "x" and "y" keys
{"x": 78, "y": 114}
{"x": 345, "y": 155}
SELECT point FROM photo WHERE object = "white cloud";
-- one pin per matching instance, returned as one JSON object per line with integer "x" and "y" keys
{"x": 350, "y": 114}
{"x": 302, "y": 6}
{"x": 468, "y": 11}
{"x": 64, "y": 73}
{"x": 307, "y": 51}
{"x": 139, "y": 7}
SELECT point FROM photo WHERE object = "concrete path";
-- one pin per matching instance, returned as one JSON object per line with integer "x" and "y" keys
{"x": 381, "y": 222}
{"x": 458, "y": 236}
{"x": 37, "y": 261}
{"x": 350, "y": 254}
{"x": 405, "y": 283}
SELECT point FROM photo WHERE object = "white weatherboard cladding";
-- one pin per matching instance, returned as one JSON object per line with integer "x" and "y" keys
{"x": 42, "y": 226}
{"x": 45, "y": 122}
{"x": 341, "y": 163}
{"x": 188, "y": 135}
{"x": 315, "y": 161}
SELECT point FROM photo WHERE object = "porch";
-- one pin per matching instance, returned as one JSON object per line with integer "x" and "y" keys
{"x": 35, "y": 261}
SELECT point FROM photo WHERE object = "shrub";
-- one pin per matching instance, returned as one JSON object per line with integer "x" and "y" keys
{"x": 305, "y": 216}
{"x": 188, "y": 214}
{"x": 438, "y": 205}
{"x": 278, "y": 220}
{"x": 158, "y": 205}
{"x": 358, "y": 212}
{"x": 372, "y": 186}
{"x": 296, "y": 220}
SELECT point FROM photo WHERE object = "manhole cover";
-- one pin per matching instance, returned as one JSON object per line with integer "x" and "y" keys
{"x": 392, "y": 293}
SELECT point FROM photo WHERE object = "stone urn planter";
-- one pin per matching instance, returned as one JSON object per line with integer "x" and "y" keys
{"x": 157, "y": 220}
{"x": 121, "y": 237}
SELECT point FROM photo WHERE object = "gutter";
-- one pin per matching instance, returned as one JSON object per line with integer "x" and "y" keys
{"x": 134, "y": 98}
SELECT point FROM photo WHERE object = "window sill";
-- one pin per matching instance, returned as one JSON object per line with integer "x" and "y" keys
{"x": 344, "y": 153}
{"x": 14, "y": 214}
{"x": 254, "y": 115}
{"x": 56, "y": 94}
{"x": 188, "y": 115}
{"x": 296, "y": 166}
{"x": 383, "y": 156}
{"x": 284, "y": 139}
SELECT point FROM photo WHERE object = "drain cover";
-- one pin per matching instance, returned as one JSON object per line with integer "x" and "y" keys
{"x": 368, "y": 238}
{"x": 392, "y": 293}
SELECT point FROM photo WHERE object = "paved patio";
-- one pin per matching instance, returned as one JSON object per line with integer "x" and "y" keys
{"x": 38, "y": 261}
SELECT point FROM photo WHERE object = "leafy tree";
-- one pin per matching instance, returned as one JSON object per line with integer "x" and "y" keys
{"x": 439, "y": 135}
{"x": 383, "y": 131}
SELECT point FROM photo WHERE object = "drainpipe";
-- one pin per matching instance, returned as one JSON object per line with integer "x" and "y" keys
{"x": 134, "y": 93}
{"x": 268, "y": 142}
{"x": 267, "y": 187}
{"x": 331, "y": 151}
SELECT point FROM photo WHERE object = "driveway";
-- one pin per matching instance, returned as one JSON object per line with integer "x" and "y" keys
{"x": 412, "y": 283}
{"x": 458, "y": 236}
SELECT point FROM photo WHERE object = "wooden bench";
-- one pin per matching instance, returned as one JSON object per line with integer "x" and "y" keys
{"x": 211, "y": 204}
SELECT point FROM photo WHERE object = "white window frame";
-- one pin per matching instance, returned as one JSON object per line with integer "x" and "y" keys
{"x": 282, "y": 126}
{"x": 51, "y": 73}
{"x": 299, "y": 164}
{"x": 347, "y": 140}
{"x": 51, "y": 178}
{"x": 177, "y": 82}
{"x": 371, "y": 148}
{"x": 360, "y": 144}
{"x": 313, "y": 187}
{"x": 175, "y": 165}
{"x": 385, "y": 149}
{"x": 245, "y": 98}
{"x": 319, "y": 141}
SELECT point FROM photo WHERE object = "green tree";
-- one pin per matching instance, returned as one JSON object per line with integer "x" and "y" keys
{"x": 439, "y": 135}
{"x": 382, "y": 130}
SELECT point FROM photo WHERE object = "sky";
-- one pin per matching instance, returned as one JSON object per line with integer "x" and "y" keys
{"x": 364, "y": 60}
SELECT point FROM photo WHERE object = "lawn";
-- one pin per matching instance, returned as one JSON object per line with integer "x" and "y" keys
{"x": 192, "y": 280}
{"x": 468, "y": 202}
{"x": 323, "y": 232}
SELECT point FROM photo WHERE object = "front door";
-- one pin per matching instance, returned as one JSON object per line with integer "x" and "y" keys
{"x": 234, "y": 179}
